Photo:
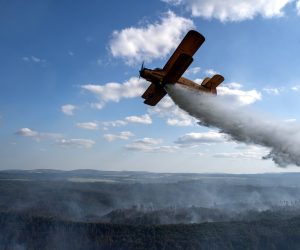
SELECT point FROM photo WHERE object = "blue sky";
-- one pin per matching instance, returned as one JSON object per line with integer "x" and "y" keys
{"x": 70, "y": 93}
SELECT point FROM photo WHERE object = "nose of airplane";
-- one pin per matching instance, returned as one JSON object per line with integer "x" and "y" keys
{"x": 142, "y": 71}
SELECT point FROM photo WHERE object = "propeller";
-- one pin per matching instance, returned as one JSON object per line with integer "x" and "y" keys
{"x": 141, "y": 70}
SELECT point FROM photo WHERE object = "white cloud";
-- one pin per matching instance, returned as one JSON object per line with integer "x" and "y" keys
{"x": 38, "y": 136}
{"x": 174, "y": 115}
{"x": 290, "y": 120}
{"x": 87, "y": 125}
{"x": 58, "y": 138}
{"x": 36, "y": 59}
{"x": 26, "y": 59}
{"x": 116, "y": 123}
{"x": 272, "y": 91}
{"x": 27, "y": 132}
{"x": 237, "y": 155}
{"x": 174, "y": 2}
{"x": 150, "y": 42}
{"x": 114, "y": 92}
{"x": 79, "y": 143}
{"x": 97, "y": 105}
{"x": 150, "y": 145}
{"x": 211, "y": 72}
{"x": 295, "y": 88}
{"x": 239, "y": 96}
{"x": 144, "y": 119}
{"x": 192, "y": 139}
{"x": 298, "y": 7}
{"x": 193, "y": 70}
{"x": 125, "y": 135}
{"x": 179, "y": 123}
{"x": 233, "y": 85}
{"x": 234, "y": 10}
{"x": 165, "y": 149}
{"x": 33, "y": 59}
{"x": 245, "y": 152}
{"x": 68, "y": 109}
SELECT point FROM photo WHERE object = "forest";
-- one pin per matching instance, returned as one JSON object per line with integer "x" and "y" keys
{"x": 88, "y": 209}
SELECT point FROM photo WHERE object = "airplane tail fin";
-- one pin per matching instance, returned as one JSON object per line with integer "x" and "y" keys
{"x": 213, "y": 83}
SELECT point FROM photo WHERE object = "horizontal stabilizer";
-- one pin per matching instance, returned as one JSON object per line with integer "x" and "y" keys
{"x": 178, "y": 68}
{"x": 213, "y": 82}
{"x": 154, "y": 94}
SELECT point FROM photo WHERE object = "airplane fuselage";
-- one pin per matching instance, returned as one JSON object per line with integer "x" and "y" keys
{"x": 156, "y": 76}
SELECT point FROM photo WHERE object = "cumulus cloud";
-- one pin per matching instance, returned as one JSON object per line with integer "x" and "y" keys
{"x": 150, "y": 145}
{"x": 192, "y": 139}
{"x": 125, "y": 135}
{"x": 68, "y": 109}
{"x": 116, "y": 123}
{"x": 144, "y": 119}
{"x": 298, "y": 7}
{"x": 239, "y": 96}
{"x": 78, "y": 143}
{"x": 150, "y": 42}
{"x": 27, "y": 132}
{"x": 57, "y": 138}
{"x": 87, "y": 125}
{"x": 179, "y": 122}
{"x": 114, "y": 92}
{"x": 233, "y": 10}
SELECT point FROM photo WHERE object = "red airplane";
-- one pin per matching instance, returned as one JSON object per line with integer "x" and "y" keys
{"x": 172, "y": 72}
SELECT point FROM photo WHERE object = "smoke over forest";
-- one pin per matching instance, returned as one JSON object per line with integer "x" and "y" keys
{"x": 88, "y": 209}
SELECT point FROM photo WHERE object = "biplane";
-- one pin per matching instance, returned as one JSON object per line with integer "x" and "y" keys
{"x": 172, "y": 72}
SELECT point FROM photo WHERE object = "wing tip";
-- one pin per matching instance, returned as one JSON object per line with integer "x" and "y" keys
{"x": 196, "y": 34}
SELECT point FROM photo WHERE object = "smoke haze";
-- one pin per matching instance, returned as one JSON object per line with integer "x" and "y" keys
{"x": 241, "y": 124}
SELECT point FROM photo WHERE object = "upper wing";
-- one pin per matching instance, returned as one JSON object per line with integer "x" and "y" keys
{"x": 189, "y": 45}
{"x": 180, "y": 65}
{"x": 175, "y": 67}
